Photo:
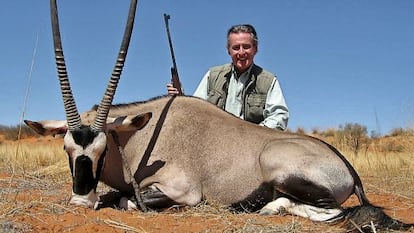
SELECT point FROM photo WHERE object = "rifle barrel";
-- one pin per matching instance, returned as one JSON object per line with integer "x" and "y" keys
{"x": 174, "y": 72}
{"x": 166, "y": 18}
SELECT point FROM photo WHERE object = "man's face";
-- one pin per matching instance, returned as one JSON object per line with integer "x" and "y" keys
{"x": 242, "y": 50}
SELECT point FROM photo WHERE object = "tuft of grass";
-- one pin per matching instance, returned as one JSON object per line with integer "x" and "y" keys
{"x": 35, "y": 157}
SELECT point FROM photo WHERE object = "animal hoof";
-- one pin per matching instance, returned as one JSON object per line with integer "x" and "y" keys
{"x": 126, "y": 204}
{"x": 97, "y": 205}
{"x": 282, "y": 211}
{"x": 266, "y": 212}
{"x": 123, "y": 203}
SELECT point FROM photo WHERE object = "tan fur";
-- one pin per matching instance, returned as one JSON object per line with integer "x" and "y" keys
{"x": 210, "y": 153}
{"x": 203, "y": 152}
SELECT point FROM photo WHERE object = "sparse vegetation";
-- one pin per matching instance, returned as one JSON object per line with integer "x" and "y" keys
{"x": 12, "y": 132}
{"x": 35, "y": 188}
{"x": 402, "y": 132}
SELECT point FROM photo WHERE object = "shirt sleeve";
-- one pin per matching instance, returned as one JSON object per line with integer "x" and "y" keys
{"x": 276, "y": 113}
{"x": 202, "y": 89}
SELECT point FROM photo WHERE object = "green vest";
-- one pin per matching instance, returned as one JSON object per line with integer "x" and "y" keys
{"x": 254, "y": 94}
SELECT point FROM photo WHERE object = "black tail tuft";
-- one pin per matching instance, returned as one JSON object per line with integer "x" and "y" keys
{"x": 368, "y": 218}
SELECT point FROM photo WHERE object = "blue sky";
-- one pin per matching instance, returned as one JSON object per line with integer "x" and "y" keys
{"x": 337, "y": 61}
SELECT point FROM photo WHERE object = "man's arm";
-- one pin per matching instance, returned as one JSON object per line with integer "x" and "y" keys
{"x": 202, "y": 89}
{"x": 276, "y": 113}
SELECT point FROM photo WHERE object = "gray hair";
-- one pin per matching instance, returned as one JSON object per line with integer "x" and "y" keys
{"x": 243, "y": 28}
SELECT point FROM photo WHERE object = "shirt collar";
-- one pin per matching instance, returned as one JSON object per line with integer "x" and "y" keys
{"x": 246, "y": 73}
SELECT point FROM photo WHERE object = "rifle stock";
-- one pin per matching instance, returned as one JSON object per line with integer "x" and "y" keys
{"x": 175, "y": 80}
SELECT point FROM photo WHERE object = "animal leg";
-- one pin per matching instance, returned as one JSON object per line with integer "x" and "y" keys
{"x": 278, "y": 206}
{"x": 152, "y": 197}
{"x": 256, "y": 200}
{"x": 284, "y": 205}
{"x": 308, "y": 192}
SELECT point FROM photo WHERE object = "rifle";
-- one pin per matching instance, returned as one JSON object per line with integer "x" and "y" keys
{"x": 174, "y": 72}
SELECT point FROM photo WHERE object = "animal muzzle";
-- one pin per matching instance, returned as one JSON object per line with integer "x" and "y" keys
{"x": 84, "y": 180}
{"x": 84, "y": 183}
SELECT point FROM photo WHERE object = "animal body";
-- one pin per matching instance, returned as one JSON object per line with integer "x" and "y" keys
{"x": 183, "y": 150}
{"x": 203, "y": 152}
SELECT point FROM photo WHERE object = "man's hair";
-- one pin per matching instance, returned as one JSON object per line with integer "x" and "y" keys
{"x": 243, "y": 28}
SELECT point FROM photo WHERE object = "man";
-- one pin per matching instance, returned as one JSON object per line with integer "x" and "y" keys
{"x": 243, "y": 88}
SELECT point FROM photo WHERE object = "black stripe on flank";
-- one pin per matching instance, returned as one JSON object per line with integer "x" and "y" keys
{"x": 307, "y": 192}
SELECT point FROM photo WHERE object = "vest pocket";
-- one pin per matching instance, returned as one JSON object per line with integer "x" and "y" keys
{"x": 254, "y": 107}
{"x": 256, "y": 101}
{"x": 215, "y": 98}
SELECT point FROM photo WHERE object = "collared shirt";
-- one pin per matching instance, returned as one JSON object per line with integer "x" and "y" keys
{"x": 234, "y": 100}
{"x": 275, "y": 114}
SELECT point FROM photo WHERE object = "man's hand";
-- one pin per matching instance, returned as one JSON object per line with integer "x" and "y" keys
{"x": 171, "y": 90}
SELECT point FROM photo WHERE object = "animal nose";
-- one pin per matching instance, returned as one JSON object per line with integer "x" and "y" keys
{"x": 83, "y": 180}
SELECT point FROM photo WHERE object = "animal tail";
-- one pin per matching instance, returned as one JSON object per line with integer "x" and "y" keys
{"x": 367, "y": 217}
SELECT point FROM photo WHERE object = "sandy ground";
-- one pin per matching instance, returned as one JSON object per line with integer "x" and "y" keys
{"x": 35, "y": 204}
{"x": 30, "y": 204}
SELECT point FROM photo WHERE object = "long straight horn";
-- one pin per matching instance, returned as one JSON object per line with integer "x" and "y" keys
{"x": 106, "y": 102}
{"x": 72, "y": 115}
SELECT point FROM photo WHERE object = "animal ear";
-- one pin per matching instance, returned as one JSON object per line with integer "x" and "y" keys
{"x": 128, "y": 123}
{"x": 48, "y": 127}
{"x": 141, "y": 120}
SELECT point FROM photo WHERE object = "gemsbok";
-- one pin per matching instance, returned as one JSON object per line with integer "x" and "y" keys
{"x": 181, "y": 150}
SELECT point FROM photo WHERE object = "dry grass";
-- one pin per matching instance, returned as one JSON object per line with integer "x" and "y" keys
{"x": 40, "y": 166}
{"x": 391, "y": 172}
{"x": 35, "y": 157}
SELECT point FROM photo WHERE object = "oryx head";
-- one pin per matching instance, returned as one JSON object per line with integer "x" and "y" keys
{"x": 86, "y": 145}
